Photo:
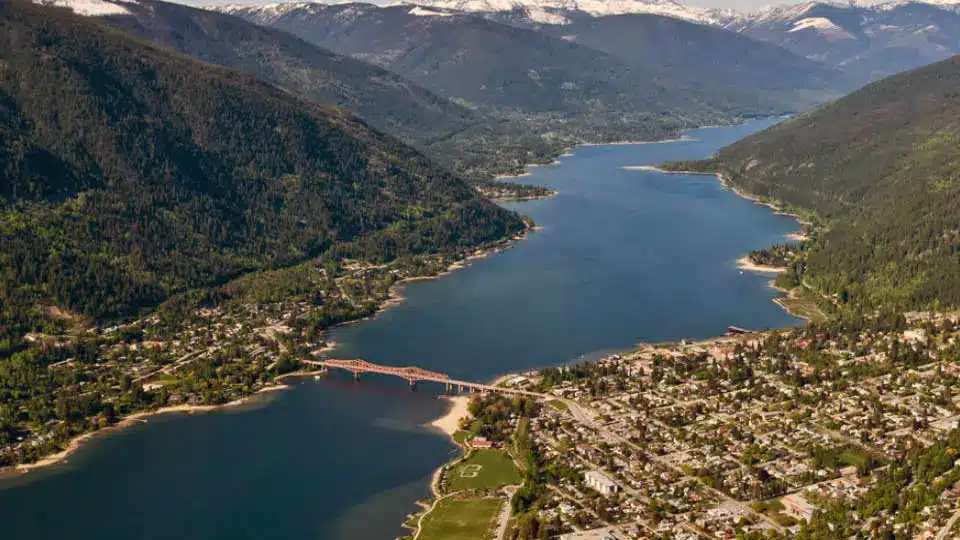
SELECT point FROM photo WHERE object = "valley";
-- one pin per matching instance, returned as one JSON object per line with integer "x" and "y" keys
{"x": 203, "y": 204}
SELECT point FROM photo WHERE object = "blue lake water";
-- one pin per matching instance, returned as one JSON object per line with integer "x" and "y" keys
{"x": 623, "y": 256}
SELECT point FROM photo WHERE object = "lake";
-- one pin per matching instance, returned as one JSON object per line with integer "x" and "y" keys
{"x": 622, "y": 256}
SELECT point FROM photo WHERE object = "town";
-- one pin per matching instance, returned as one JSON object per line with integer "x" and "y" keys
{"x": 195, "y": 352}
{"x": 833, "y": 430}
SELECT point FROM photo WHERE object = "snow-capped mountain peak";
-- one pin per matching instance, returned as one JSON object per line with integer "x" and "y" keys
{"x": 91, "y": 7}
{"x": 546, "y": 11}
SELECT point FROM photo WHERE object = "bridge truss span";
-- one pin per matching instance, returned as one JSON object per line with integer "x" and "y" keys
{"x": 410, "y": 373}
{"x": 415, "y": 374}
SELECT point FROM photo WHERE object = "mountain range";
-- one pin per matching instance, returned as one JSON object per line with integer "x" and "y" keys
{"x": 303, "y": 106}
{"x": 483, "y": 96}
{"x": 867, "y": 40}
{"x": 503, "y": 65}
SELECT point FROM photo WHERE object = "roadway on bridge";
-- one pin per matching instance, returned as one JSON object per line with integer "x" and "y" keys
{"x": 415, "y": 374}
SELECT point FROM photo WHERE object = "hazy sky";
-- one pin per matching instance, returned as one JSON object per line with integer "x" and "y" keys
{"x": 742, "y": 5}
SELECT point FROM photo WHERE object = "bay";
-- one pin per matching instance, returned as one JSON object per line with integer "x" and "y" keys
{"x": 622, "y": 256}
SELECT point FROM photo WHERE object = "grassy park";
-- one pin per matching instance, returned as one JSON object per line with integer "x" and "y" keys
{"x": 461, "y": 518}
{"x": 483, "y": 469}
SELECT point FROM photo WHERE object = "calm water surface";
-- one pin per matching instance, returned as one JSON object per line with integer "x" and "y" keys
{"x": 623, "y": 256}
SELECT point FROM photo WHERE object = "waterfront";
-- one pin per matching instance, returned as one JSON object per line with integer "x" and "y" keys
{"x": 623, "y": 256}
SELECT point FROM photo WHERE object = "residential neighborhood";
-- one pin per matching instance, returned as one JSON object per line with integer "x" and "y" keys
{"x": 759, "y": 435}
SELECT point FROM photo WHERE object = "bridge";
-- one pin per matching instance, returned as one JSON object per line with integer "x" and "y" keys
{"x": 414, "y": 374}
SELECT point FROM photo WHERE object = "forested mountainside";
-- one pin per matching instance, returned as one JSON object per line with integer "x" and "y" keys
{"x": 521, "y": 73}
{"x": 480, "y": 62}
{"x": 380, "y": 97}
{"x": 131, "y": 173}
{"x": 467, "y": 141}
{"x": 881, "y": 169}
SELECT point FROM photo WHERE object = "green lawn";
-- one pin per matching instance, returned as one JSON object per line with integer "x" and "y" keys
{"x": 484, "y": 469}
{"x": 460, "y": 437}
{"x": 801, "y": 306}
{"x": 560, "y": 405}
{"x": 461, "y": 519}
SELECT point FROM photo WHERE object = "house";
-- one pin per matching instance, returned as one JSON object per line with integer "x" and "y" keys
{"x": 796, "y": 505}
{"x": 600, "y": 482}
{"x": 481, "y": 442}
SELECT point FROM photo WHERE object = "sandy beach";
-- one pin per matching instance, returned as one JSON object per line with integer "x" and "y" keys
{"x": 744, "y": 263}
{"x": 450, "y": 422}
{"x": 513, "y": 176}
{"x": 684, "y": 138}
{"x": 652, "y": 168}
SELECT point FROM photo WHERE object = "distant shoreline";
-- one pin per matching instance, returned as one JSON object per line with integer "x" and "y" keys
{"x": 682, "y": 138}
{"x": 525, "y": 170}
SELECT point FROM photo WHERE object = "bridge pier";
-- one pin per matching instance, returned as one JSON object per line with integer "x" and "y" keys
{"x": 356, "y": 375}
{"x": 413, "y": 384}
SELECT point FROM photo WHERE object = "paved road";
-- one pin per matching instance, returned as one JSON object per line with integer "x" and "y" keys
{"x": 505, "y": 512}
{"x": 945, "y": 531}
{"x": 427, "y": 512}
{"x": 581, "y": 415}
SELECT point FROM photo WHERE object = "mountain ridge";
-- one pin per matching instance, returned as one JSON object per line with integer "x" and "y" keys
{"x": 865, "y": 40}
{"x": 135, "y": 172}
{"x": 501, "y": 64}
{"x": 879, "y": 170}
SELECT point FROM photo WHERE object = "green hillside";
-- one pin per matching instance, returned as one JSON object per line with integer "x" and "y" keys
{"x": 880, "y": 169}
{"x": 132, "y": 173}
{"x": 470, "y": 143}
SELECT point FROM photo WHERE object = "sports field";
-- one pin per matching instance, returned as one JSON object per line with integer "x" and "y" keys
{"x": 467, "y": 518}
{"x": 484, "y": 469}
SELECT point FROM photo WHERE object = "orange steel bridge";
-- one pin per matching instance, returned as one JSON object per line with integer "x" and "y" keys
{"x": 414, "y": 374}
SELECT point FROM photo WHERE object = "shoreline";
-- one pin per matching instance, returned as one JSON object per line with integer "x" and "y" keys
{"x": 682, "y": 138}
{"x": 568, "y": 152}
{"x": 509, "y": 176}
{"x": 744, "y": 263}
{"x": 507, "y": 199}
{"x": 394, "y": 297}
{"x": 77, "y": 443}
{"x": 449, "y": 422}
{"x": 452, "y": 413}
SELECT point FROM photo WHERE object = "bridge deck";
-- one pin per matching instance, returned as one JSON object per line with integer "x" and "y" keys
{"x": 416, "y": 374}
